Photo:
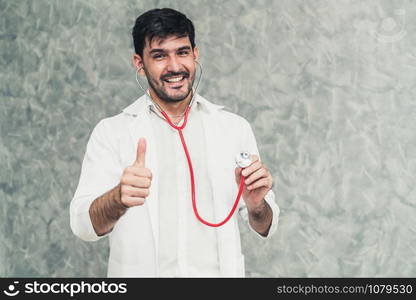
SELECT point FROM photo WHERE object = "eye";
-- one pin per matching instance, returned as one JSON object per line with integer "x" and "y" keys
{"x": 158, "y": 56}
{"x": 183, "y": 52}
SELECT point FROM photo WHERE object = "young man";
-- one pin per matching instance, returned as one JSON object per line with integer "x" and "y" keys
{"x": 135, "y": 182}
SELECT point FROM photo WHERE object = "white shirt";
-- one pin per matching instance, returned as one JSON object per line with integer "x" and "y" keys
{"x": 188, "y": 248}
{"x": 134, "y": 240}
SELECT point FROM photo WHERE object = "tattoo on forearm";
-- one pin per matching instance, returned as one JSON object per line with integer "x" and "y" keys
{"x": 261, "y": 218}
{"x": 261, "y": 212}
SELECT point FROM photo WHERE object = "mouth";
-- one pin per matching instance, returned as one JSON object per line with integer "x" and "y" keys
{"x": 175, "y": 82}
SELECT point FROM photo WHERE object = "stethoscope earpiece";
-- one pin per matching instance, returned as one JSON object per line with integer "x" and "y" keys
{"x": 243, "y": 159}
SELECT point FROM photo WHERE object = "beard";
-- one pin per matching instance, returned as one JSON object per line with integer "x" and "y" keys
{"x": 161, "y": 92}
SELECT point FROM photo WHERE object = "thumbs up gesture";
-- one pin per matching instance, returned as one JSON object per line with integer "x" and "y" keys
{"x": 136, "y": 179}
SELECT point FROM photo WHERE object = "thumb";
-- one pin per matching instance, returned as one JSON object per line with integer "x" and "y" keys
{"x": 238, "y": 175}
{"x": 141, "y": 153}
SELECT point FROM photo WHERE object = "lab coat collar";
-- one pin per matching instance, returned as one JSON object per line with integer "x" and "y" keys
{"x": 141, "y": 104}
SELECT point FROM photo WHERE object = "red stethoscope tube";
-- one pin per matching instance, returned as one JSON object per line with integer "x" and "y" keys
{"x": 191, "y": 173}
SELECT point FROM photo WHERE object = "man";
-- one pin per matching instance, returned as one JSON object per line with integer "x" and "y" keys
{"x": 135, "y": 183}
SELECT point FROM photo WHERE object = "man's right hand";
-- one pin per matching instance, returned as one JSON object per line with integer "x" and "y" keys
{"x": 136, "y": 179}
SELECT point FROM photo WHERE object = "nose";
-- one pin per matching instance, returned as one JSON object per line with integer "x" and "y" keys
{"x": 174, "y": 64}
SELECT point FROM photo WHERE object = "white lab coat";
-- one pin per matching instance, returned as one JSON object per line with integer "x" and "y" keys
{"x": 134, "y": 239}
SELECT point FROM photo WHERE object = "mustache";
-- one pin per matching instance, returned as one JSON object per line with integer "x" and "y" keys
{"x": 172, "y": 74}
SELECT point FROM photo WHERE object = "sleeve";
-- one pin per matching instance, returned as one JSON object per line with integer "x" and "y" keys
{"x": 100, "y": 172}
{"x": 251, "y": 146}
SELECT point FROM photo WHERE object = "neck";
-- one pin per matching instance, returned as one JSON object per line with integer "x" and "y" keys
{"x": 171, "y": 108}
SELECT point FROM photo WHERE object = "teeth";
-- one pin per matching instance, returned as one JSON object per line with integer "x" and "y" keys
{"x": 175, "y": 79}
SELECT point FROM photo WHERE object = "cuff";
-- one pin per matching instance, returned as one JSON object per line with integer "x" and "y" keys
{"x": 270, "y": 199}
{"x": 81, "y": 224}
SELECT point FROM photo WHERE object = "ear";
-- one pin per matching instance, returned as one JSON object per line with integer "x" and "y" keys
{"x": 196, "y": 53}
{"x": 138, "y": 64}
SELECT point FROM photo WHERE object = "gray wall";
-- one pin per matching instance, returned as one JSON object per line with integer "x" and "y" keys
{"x": 328, "y": 86}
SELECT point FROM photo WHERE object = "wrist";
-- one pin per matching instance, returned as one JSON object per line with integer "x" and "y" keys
{"x": 257, "y": 208}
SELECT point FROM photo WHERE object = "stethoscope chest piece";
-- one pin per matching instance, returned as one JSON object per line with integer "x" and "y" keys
{"x": 243, "y": 159}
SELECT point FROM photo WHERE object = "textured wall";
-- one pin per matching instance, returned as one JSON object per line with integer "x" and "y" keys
{"x": 328, "y": 86}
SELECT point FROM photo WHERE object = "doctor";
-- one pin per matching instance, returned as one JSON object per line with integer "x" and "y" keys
{"x": 135, "y": 187}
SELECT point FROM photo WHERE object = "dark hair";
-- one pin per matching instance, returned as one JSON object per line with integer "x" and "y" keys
{"x": 161, "y": 23}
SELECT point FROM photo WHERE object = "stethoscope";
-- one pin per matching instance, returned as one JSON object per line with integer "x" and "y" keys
{"x": 242, "y": 159}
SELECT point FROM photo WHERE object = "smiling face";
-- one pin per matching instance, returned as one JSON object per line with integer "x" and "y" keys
{"x": 169, "y": 66}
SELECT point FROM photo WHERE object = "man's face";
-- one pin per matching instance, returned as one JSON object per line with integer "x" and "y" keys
{"x": 169, "y": 65}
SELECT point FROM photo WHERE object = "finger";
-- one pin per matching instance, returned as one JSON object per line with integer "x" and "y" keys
{"x": 238, "y": 174}
{"x": 252, "y": 168}
{"x": 136, "y": 181}
{"x": 141, "y": 153}
{"x": 263, "y": 182}
{"x": 131, "y": 191}
{"x": 254, "y": 158}
{"x": 262, "y": 172}
{"x": 132, "y": 201}
{"x": 139, "y": 171}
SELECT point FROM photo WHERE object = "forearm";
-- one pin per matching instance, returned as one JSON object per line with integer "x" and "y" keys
{"x": 106, "y": 210}
{"x": 260, "y": 218}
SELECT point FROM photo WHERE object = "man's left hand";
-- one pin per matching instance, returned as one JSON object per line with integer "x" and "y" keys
{"x": 258, "y": 181}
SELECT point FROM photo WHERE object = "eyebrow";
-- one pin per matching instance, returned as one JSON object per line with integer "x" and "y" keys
{"x": 184, "y": 48}
{"x": 158, "y": 50}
